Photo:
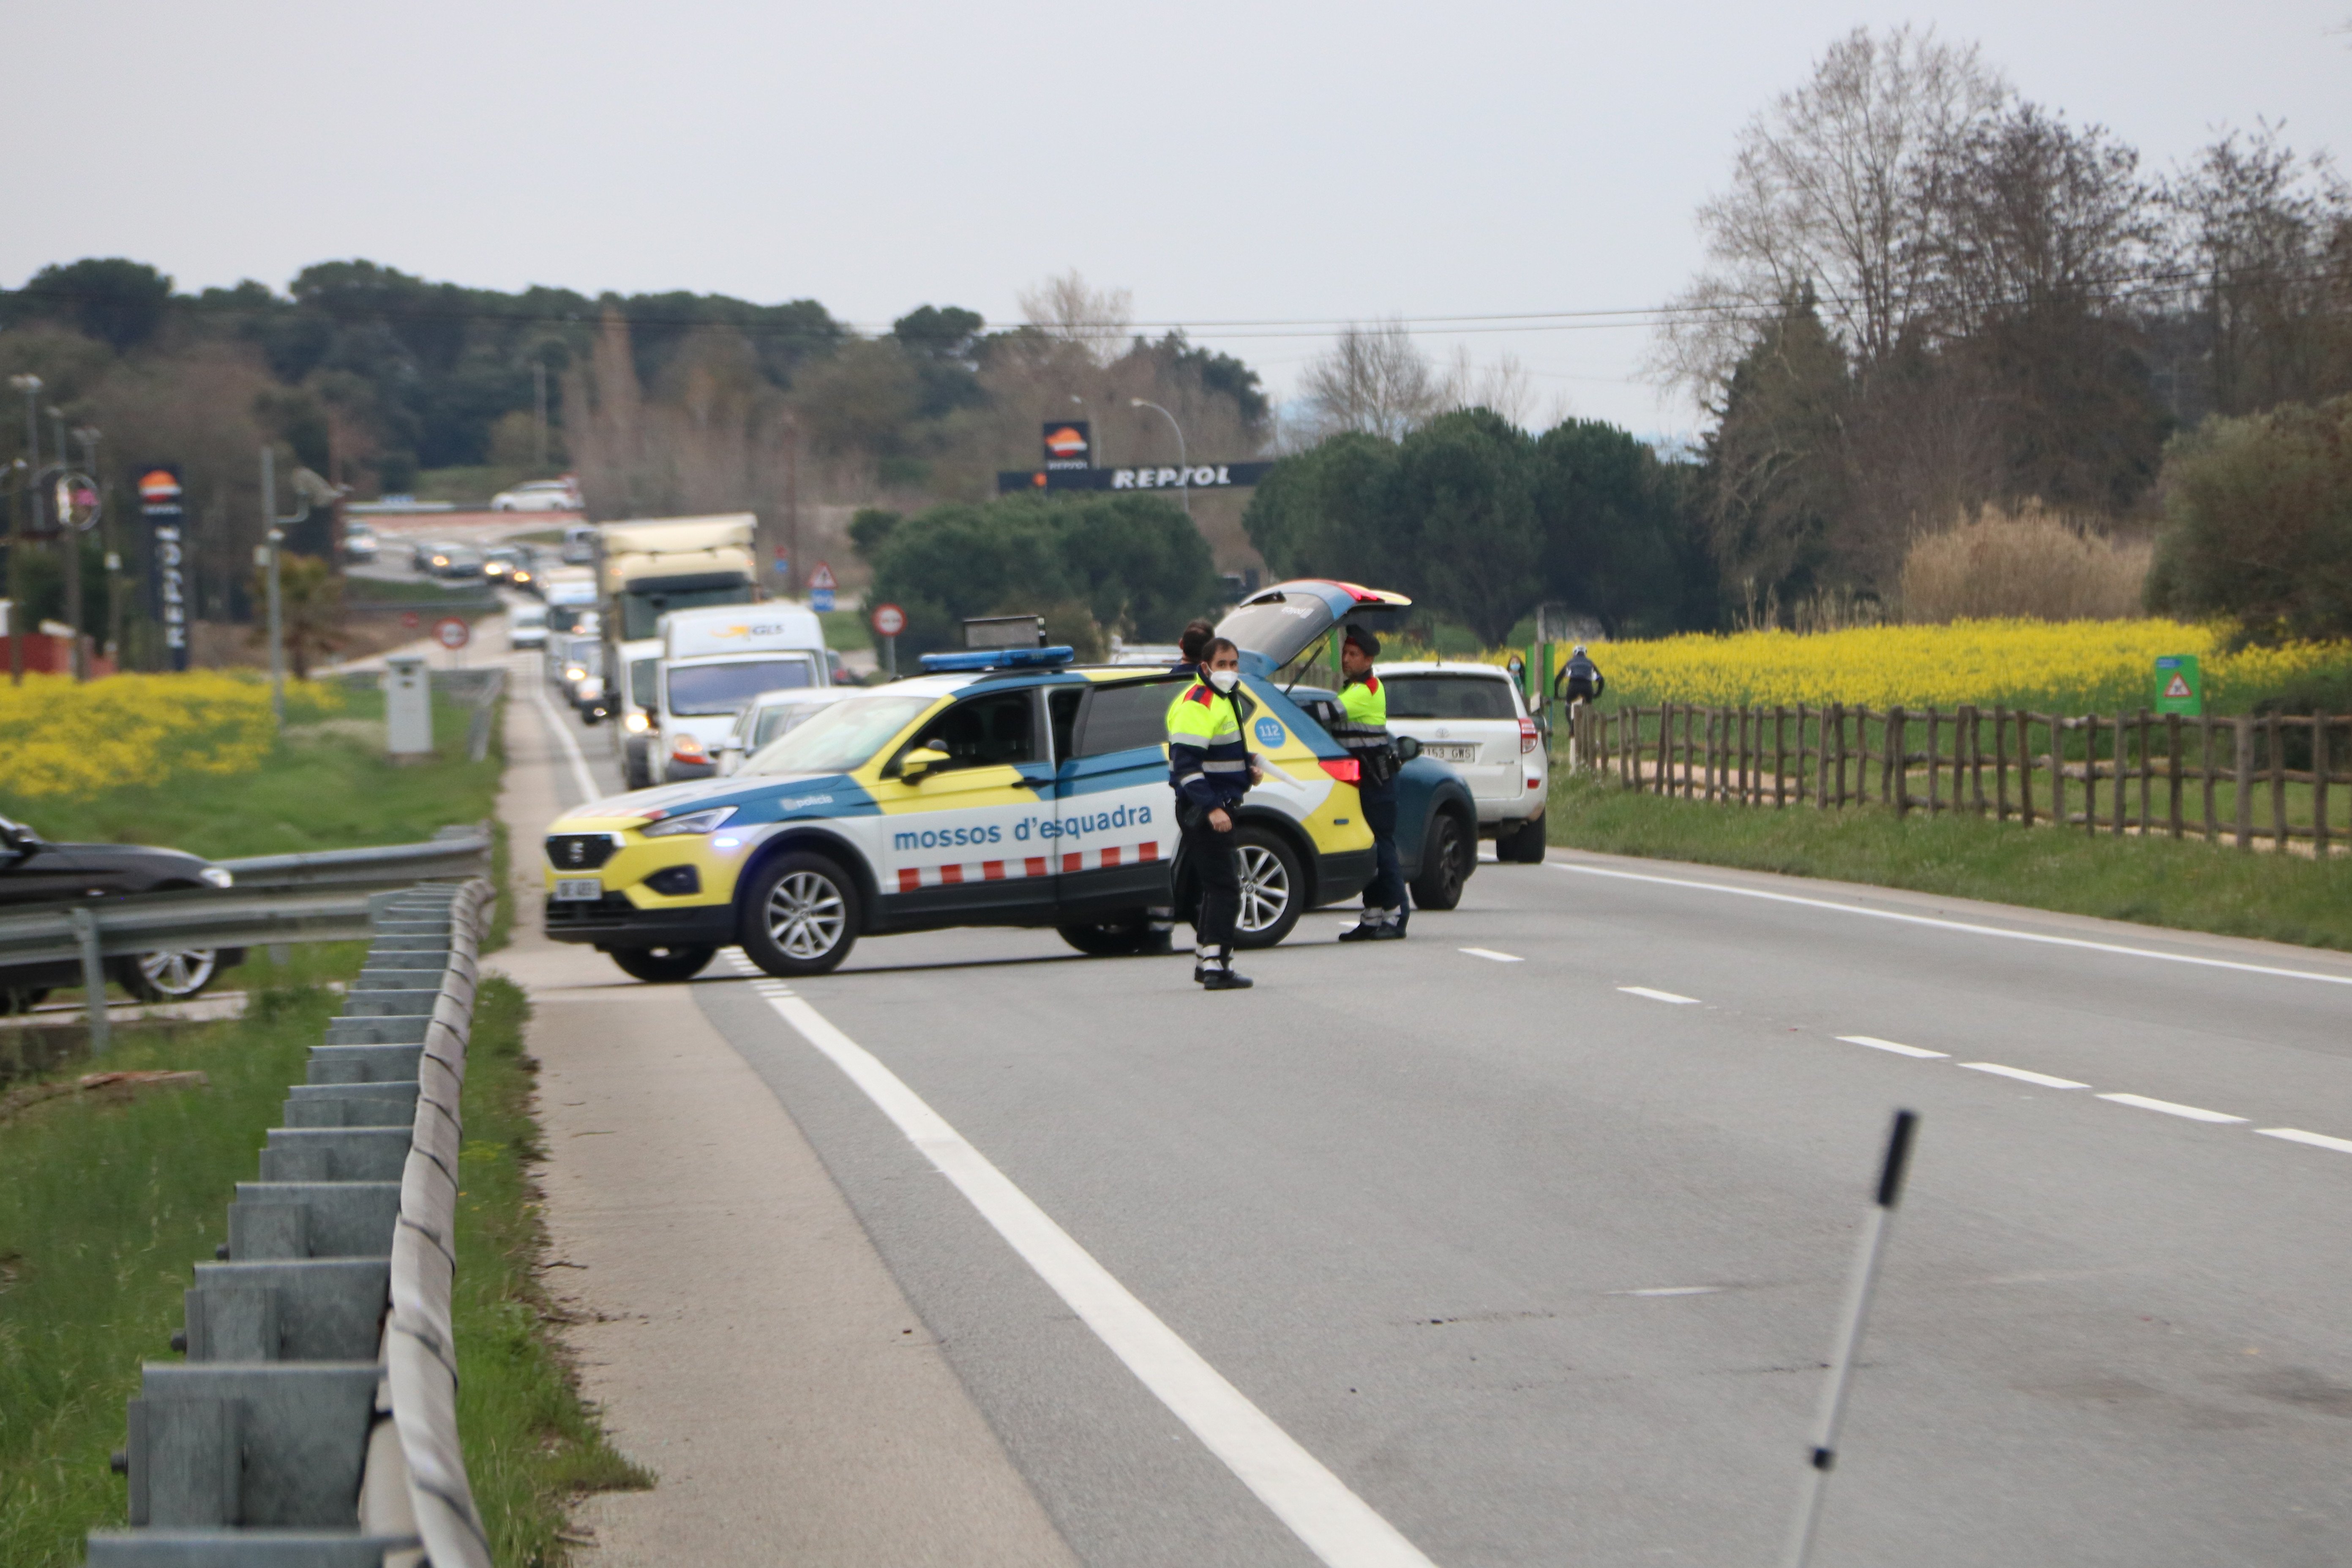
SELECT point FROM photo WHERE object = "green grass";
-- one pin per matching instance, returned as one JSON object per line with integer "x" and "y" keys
{"x": 325, "y": 786}
{"x": 2192, "y": 885}
{"x": 103, "y": 1207}
{"x": 847, "y": 629}
{"x": 530, "y": 1442}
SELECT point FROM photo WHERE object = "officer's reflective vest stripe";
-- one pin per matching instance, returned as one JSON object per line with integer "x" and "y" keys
{"x": 1366, "y": 707}
{"x": 1208, "y": 763}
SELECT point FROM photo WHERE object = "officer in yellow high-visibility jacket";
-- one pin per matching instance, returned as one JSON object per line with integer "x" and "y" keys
{"x": 1364, "y": 731}
{"x": 1210, "y": 768}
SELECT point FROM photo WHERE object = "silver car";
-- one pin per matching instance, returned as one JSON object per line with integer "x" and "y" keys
{"x": 1472, "y": 718}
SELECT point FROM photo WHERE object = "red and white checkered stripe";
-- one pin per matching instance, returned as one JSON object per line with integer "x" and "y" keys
{"x": 911, "y": 878}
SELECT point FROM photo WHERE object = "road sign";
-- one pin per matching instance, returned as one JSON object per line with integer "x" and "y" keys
{"x": 411, "y": 619}
{"x": 2180, "y": 685}
{"x": 821, "y": 580}
{"x": 75, "y": 503}
{"x": 821, "y": 601}
{"x": 889, "y": 620}
{"x": 451, "y": 633}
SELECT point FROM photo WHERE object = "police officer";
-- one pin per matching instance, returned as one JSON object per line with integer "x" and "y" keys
{"x": 1195, "y": 638}
{"x": 1210, "y": 768}
{"x": 1158, "y": 921}
{"x": 1364, "y": 731}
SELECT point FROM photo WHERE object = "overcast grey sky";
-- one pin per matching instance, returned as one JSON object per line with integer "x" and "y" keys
{"x": 1224, "y": 162}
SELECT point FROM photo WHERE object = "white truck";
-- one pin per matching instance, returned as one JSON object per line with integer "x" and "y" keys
{"x": 714, "y": 660}
{"x": 649, "y": 567}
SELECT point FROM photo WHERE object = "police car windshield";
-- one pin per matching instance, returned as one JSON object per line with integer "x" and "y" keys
{"x": 706, "y": 689}
{"x": 840, "y": 738}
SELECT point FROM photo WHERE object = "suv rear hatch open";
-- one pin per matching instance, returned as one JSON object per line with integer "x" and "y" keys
{"x": 1280, "y": 624}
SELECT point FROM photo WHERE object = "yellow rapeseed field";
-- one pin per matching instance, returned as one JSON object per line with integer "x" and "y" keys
{"x": 2072, "y": 666}
{"x": 61, "y": 737}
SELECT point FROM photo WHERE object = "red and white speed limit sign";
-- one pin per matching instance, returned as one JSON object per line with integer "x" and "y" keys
{"x": 889, "y": 620}
{"x": 451, "y": 633}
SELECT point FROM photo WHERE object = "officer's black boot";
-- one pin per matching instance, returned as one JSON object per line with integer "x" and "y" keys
{"x": 1216, "y": 972}
{"x": 1366, "y": 928}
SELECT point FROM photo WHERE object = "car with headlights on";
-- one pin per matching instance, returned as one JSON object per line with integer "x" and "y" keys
{"x": 34, "y": 871}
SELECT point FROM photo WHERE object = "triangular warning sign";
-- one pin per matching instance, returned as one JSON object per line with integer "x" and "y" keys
{"x": 2179, "y": 687}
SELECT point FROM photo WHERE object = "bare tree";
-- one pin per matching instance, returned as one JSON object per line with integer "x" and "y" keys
{"x": 1066, "y": 308}
{"x": 1502, "y": 385}
{"x": 1828, "y": 189}
{"x": 1374, "y": 379}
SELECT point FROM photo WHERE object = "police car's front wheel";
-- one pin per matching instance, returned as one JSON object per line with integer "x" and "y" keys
{"x": 800, "y": 917}
{"x": 1272, "y": 886}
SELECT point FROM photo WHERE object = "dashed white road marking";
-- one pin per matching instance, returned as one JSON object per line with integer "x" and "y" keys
{"x": 1673, "y": 1290}
{"x": 1334, "y": 1523}
{"x": 1659, "y": 996}
{"x": 1489, "y": 953}
{"x": 2316, "y": 1140}
{"x": 2171, "y": 1108}
{"x": 2021, "y": 1076}
{"x": 1875, "y": 1044}
{"x": 1970, "y": 927}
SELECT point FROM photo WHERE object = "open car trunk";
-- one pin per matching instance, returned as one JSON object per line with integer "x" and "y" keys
{"x": 1278, "y": 625}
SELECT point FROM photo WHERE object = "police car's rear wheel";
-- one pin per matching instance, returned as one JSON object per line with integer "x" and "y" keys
{"x": 802, "y": 916}
{"x": 1272, "y": 886}
{"x": 1446, "y": 860}
{"x": 1110, "y": 938}
{"x": 662, "y": 965}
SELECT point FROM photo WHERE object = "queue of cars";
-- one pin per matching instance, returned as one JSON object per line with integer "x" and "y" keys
{"x": 1008, "y": 786}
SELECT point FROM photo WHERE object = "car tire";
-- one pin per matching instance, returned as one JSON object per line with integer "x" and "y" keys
{"x": 1445, "y": 861}
{"x": 1274, "y": 886}
{"x": 1524, "y": 845}
{"x": 173, "y": 976}
{"x": 801, "y": 916}
{"x": 1120, "y": 938}
{"x": 662, "y": 965}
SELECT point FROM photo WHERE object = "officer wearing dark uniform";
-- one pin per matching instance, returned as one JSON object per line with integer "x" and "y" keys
{"x": 1159, "y": 921}
{"x": 1210, "y": 768}
{"x": 1364, "y": 731}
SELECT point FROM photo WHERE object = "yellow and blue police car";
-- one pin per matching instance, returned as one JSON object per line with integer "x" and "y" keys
{"x": 1003, "y": 786}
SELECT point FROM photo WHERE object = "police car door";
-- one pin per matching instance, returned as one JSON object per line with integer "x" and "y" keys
{"x": 1115, "y": 834}
{"x": 953, "y": 840}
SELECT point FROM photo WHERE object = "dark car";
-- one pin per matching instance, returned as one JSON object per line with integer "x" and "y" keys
{"x": 35, "y": 871}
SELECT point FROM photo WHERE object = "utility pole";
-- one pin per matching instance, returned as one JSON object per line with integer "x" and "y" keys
{"x": 793, "y": 500}
{"x": 539, "y": 402}
{"x": 271, "y": 533}
{"x": 88, "y": 436}
{"x": 70, "y": 540}
{"x": 29, "y": 513}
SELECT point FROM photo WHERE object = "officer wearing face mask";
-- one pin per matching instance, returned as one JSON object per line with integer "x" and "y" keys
{"x": 1210, "y": 768}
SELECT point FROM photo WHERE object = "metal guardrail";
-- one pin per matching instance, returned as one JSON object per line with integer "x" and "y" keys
{"x": 313, "y": 1423}
{"x": 324, "y": 895}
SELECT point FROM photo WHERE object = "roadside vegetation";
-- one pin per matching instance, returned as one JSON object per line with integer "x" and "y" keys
{"x": 2189, "y": 886}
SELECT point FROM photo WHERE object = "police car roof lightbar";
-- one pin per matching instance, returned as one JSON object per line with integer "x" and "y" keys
{"x": 999, "y": 659}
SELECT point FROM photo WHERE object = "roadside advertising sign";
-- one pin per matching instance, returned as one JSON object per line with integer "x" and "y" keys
{"x": 2180, "y": 685}
{"x": 1069, "y": 444}
{"x": 167, "y": 558}
{"x": 889, "y": 620}
{"x": 451, "y": 633}
{"x": 1079, "y": 477}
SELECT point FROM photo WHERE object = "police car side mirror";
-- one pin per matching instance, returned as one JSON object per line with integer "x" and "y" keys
{"x": 921, "y": 761}
{"x": 1407, "y": 747}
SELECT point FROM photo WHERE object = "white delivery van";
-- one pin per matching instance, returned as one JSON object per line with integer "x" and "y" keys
{"x": 715, "y": 660}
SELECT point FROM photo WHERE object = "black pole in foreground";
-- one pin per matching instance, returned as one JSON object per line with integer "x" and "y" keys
{"x": 1857, "y": 1309}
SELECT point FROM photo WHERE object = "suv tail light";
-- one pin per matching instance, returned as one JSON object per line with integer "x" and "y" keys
{"x": 1527, "y": 736}
{"x": 1345, "y": 769}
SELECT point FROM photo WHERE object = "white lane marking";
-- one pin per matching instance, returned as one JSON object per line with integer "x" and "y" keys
{"x": 2316, "y": 1140}
{"x": 1875, "y": 1044}
{"x": 1673, "y": 1290}
{"x": 2043, "y": 1079}
{"x": 2171, "y": 1108}
{"x": 1960, "y": 925}
{"x": 1335, "y": 1524}
{"x": 1659, "y": 996}
{"x": 588, "y": 790}
{"x": 1490, "y": 952}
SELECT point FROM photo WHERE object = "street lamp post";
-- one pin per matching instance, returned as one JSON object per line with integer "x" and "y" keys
{"x": 68, "y": 541}
{"x": 1183, "y": 463}
{"x": 274, "y": 529}
{"x": 88, "y": 436}
{"x": 1094, "y": 449}
{"x": 30, "y": 385}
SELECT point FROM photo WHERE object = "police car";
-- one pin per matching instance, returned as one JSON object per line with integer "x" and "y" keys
{"x": 1002, "y": 787}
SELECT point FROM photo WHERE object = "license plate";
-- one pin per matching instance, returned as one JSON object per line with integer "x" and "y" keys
{"x": 1449, "y": 753}
{"x": 586, "y": 889}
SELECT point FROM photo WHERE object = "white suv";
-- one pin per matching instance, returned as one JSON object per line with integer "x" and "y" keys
{"x": 1472, "y": 718}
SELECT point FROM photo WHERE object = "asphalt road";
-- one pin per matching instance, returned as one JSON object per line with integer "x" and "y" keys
{"x": 1527, "y": 1266}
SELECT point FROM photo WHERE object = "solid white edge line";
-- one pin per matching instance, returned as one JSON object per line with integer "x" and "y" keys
{"x": 1659, "y": 996}
{"x": 2316, "y": 1140}
{"x": 2043, "y": 1079}
{"x": 588, "y": 790}
{"x": 2171, "y": 1108}
{"x": 1957, "y": 925}
{"x": 1335, "y": 1524}
{"x": 1875, "y": 1044}
{"x": 1489, "y": 953}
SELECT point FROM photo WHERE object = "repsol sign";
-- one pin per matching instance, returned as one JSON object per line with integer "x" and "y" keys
{"x": 1188, "y": 477}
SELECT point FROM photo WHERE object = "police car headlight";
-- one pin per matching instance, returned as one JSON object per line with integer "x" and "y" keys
{"x": 692, "y": 822}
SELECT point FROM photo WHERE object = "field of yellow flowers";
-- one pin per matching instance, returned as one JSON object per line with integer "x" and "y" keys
{"x": 61, "y": 737}
{"x": 2065, "y": 667}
